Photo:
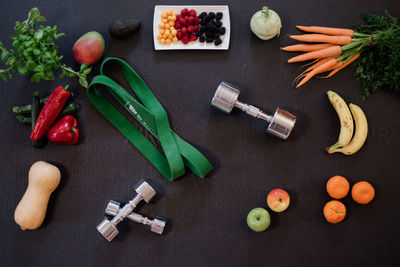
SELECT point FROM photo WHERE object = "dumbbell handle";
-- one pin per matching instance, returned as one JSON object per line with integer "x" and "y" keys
{"x": 253, "y": 111}
{"x": 126, "y": 210}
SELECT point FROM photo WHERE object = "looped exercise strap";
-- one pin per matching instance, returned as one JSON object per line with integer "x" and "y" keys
{"x": 153, "y": 117}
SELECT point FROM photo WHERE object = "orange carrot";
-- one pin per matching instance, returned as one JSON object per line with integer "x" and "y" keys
{"x": 319, "y": 63}
{"x": 327, "y": 30}
{"x": 330, "y": 63}
{"x": 305, "y": 47}
{"x": 332, "y": 51}
{"x": 322, "y": 38}
{"x": 351, "y": 60}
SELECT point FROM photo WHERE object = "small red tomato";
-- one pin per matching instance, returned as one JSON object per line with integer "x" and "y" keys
{"x": 192, "y": 13}
{"x": 184, "y": 12}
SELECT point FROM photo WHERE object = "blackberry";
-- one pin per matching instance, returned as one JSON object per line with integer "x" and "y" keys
{"x": 222, "y": 30}
{"x": 209, "y": 34}
{"x": 207, "y": 18}
{"x": 218, "y": 24}
{"x": 202, "y": 22}
{"x": 211, "y": 15}
{"x": 218, "y": 16}
{"x": 211, "y": 27}
{"x": 203, "y": 28}
{"x": 215, "y": 36}
{"x": 202, "y": 39}
{"x": 218, "y": 41}
{"x": 209, "y": 40}
{"x": 199, "y": 33}
{"x": 202, "y": 15}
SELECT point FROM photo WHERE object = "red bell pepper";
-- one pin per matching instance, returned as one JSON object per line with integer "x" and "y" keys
{"x": 64, "y": 131}
{"x": 49, "y": 112}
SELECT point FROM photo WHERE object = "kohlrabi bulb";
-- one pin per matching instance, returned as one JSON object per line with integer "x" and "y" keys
{"x": 266, "y": 24}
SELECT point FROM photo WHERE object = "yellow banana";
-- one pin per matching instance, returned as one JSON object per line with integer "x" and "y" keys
{"x": 346, "y": 120}
{"x": 360, "y": 135}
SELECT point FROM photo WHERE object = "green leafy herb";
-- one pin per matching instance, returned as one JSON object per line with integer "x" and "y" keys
{"x": 379, "y": 64}
{"x": 34, "y": 52}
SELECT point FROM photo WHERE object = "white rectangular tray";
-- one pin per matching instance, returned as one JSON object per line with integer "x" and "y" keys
{"x": 196, "y": 44}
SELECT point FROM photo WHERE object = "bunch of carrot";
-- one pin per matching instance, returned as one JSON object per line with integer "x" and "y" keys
{"x": 335, "y": 49}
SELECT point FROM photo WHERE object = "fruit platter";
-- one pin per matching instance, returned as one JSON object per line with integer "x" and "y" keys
{"x": 184, "y": 133}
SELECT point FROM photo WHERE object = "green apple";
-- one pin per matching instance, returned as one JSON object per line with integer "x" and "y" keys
{"x": 258, "y": 219}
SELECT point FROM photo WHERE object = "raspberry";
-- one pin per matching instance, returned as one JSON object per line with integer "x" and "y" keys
{"x": 193, "y": 37}
{"x": 186, "y": 18}
{"x": 185, "y": 40}
{"x": 184, "y": 12}
{"x": 178, "y": 25}
{"x": 182, "y": 21}
{"x": 191, "y": 28}
{"x": 179, "y": 35}
{"x": 196, "y": 20}
{"x": 192, "y": 13}
{"x": 191, "y": 20}
{"x": 196, "y": 27}
{"x": 184, "y": 31}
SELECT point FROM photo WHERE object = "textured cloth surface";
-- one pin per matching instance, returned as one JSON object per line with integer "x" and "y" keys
{"x": 207, "y": 224}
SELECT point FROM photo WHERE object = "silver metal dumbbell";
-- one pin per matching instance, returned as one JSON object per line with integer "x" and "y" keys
{"x": 108, "y": 228}
{"x": 226, "y": 98}
{"x": 157, "y": 224}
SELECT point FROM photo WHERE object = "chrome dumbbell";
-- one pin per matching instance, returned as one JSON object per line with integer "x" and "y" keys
{"x": 157, "y": 224}
{"x": 226, "y": 98}
{"x": 108, "y": 228}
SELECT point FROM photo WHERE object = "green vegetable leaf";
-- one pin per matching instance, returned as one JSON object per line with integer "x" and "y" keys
{"x": 4, "y": 55}
{"x": 39, "y": 34}
{"x": 379, "y": 64}
{"x": 40, "y": 19}
{"x": 34, "y": 12}
{"x": 36, "y": 77}
{"x": 35, "y": 53}
{"x": 87, "y": 71}
{"x": 83, "y": 81}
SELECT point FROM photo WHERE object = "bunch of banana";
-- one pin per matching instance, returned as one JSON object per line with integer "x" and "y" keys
{"x": 345, "y": 143}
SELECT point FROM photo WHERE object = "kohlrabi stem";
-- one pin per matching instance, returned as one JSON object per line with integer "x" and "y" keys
{"x": 265, "y": 11}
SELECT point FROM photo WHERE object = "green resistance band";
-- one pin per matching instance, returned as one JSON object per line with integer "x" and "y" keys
{"x": 151, "y": 114}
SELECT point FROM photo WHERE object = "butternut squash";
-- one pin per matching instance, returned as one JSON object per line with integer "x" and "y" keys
{"x": 43, "y": 179}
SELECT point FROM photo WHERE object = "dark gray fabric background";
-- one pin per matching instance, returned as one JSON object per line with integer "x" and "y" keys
{"x": 207, "y": 224}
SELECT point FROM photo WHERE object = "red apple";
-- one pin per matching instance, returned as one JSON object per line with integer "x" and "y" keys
{"x": 278, "y": 200}
{"x": 89, "y": 48}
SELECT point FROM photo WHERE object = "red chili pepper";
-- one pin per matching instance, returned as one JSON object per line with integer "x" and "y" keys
{"x": 64, "y": 131}
{"x": 49, "y": 112}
